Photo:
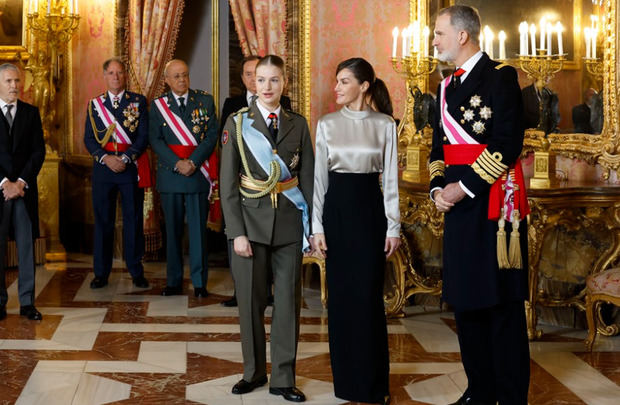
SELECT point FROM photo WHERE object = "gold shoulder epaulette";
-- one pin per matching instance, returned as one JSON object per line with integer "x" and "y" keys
{"x": 241, "y": 111}
{"x": 501, "y": 65}
{"x": 203, "y": 92}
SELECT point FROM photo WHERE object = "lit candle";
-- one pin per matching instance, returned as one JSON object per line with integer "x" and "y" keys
{"x": 36, "y": 6}
{"x": 491, "y": 36}
{"x": 502, "y": 45}
{"x": 559, "y": 29}
{"x": 416, "y": 36}
{"x": 426, "y": 32}
{"x": 403, "y": 34}
{"x": 587, "y": 35}
{"x": 435, "y": 52}
{"x": 549, "y": 31}
{"x": 70, "y": 6}
{"x": 522, "y": 37}
{"x": 76, "y": 7}
{"x": 533, "y": 38}
{"x": 594, "y": 35}
{"x": 487, "y": 37}
{"x": 543, "y": 25}
{"x": 395, "y": 41}
{"x": 594, "y": 20}
{"x": 481, "y": 41}
{"x": 49, "y": 6}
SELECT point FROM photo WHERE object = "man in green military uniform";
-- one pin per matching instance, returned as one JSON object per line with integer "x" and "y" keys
{"x": 183, "y": 134}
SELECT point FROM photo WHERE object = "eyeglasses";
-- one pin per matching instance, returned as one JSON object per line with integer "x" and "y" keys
{"x": 180, "y": 76}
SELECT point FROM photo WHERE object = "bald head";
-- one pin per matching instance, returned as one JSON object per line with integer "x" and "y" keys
{"x": 176, "y": 75}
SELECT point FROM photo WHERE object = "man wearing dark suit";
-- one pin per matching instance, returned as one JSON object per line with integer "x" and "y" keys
{"x": 116, "y": 135}
{"x": 582, "y": 113}
{"x": 232, "y": 105}
{"x": 22, "y": 152}
{"x": 532, "y": 98}
{"x": 477, "y": 140}
{"x": 183, "y": 134}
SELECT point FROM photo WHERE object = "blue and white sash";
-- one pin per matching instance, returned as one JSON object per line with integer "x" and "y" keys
{"x": 263, "y": 153}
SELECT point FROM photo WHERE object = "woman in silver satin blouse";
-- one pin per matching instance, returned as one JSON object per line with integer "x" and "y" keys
{"x": 360, "y": 225}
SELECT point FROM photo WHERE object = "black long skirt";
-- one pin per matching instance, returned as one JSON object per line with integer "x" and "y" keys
{"x": 355, "y": 225}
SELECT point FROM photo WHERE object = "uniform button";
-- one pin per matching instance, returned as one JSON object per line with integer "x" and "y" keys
{"x": 462, "y": 121}
{"x": 462, "y": 108}
{"x": 447, "y": 166}
{"x": 445, "y": 138}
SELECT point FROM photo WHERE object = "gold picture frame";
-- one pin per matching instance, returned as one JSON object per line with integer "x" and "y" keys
{"x": 13, "y": 33}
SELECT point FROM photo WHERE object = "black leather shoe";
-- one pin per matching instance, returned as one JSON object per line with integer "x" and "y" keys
{"x": 30, "y": 312}
{"x": 2, "y": 312}
{"x": 201, "y": 292}
{"x": 289, "y": 393}
{"x": 231, "y": 302}
{"x": 140, "y": 282}
{"x": 168, "y": 291}
{"x": 243, "y": 387}
{"x": 270, "y": 300}
{"x": 98, "y": 282}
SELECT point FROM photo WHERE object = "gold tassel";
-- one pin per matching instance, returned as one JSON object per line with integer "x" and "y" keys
{"x": 502, "y": 253}
{"x": 515, "y": 244}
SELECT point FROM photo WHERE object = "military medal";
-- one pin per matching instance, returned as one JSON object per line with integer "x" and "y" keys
{"x": 478, "y": 127}
{"x": 475, "y": 100}
{"x": 468, "y": 115}
{"x": 294, "y": 160}
{"x": 485, "y": 113}
{"x": 195, "y": 129}
{"x": 224, "y": 137}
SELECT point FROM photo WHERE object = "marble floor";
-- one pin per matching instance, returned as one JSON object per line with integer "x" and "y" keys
{"x": 124, "y": 345}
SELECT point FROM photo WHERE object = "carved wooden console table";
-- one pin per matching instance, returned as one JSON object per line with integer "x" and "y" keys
{"x": 574, "y": 230}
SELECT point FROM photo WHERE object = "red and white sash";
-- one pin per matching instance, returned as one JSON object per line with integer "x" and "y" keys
{"x": 180, "y": 130}
{"x": 120, "y": 136}
{"x": 457, "y": 135}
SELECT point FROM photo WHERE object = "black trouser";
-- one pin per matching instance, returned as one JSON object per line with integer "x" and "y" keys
{"x": 495, "y": 353}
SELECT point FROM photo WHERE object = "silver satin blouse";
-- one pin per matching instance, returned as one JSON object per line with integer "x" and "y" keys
{"x": 357, "y": 142}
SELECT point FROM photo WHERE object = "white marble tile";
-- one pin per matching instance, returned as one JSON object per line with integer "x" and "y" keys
{"x": 432, "y": 333}
{"x": 171, "y": 355}
{"x": 218, "y": 392}
{"x": 124, "y": 367}
{"x": 60, "y": 366}
{"x": 99, "y": 390}
{"x": 213, "y": 310}
{"x": 460, "y": 379}
{"x": 231, "y": 351}
{"x": 168, "y": 306}
{"x": 579, "y": 377}
{"x": 436, "y": 390}
{"x": 51, "y": 387}
{"x": 42, "y": 278}
{"x": 425, "y": 368}
{"x": 41, "y": 344}
{"x": 80, "y": 330}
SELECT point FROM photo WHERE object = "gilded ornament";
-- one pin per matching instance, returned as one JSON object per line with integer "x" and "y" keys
{"x": 475, "y": 101}
{"x": 195, "y": 129}
{"x": 485, "y": 113}
{"x": 478, "y": 127}
{"x": 468, "y": 115}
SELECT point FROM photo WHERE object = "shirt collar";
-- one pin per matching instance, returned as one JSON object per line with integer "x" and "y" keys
{"x": 248, "y": 96}
{"x": 4, "y": 104}
{"x": 119, "y": 95}
{"x": 470, "y": 64}
{"x": 185, "y": 97}
{"x": 265, "y": 112}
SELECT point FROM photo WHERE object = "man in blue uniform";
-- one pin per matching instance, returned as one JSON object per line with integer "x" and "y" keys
{"x": 476, "y": 179}
{"x": 116, "y": 135}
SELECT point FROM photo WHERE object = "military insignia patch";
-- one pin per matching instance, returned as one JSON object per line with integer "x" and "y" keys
{"x": 294, "y": 160}
{"x": 195, "y": 129}
{"x": 475, "y": 101}
{"x": 468, "y": 115}
{"x": 478, "y": 127}
{"x": 224, "y": 137}
{"x": 485, "y": 113}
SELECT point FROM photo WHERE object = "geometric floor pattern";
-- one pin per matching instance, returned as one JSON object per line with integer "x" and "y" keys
{"x": 125, "y": 345}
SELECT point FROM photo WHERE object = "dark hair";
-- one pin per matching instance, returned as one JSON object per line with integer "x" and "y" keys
{"x": 272, "y": 60}
{"x": 464, "y": 18}
{"x": 363, "y": 72}
{"x": 248, "y": 59}
{"x": 107, "y": 63}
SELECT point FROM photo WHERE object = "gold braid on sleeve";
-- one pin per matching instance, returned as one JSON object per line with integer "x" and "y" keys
{"x": 489, "y": 166}
{"x": 436, "y": 168}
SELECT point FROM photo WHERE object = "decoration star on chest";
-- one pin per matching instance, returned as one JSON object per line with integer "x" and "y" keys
{"x": 485, "y": 113}
{"x": 468, "y": 115}
{"x": 478, "y": 127}
{"x": 475, "y": 101}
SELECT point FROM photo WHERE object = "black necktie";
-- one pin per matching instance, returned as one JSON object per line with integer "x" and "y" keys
{"x": 273, "y": 125}
{"x": 8, "y": 115}
{"x": 182, "y": 104}
{"x": 456, "y": 77}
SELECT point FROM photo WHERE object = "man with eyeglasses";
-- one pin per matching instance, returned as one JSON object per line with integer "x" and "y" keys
{"x": 183, "y": 134}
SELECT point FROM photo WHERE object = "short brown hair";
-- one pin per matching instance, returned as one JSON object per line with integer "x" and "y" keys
{"x": 273, "y": 60}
